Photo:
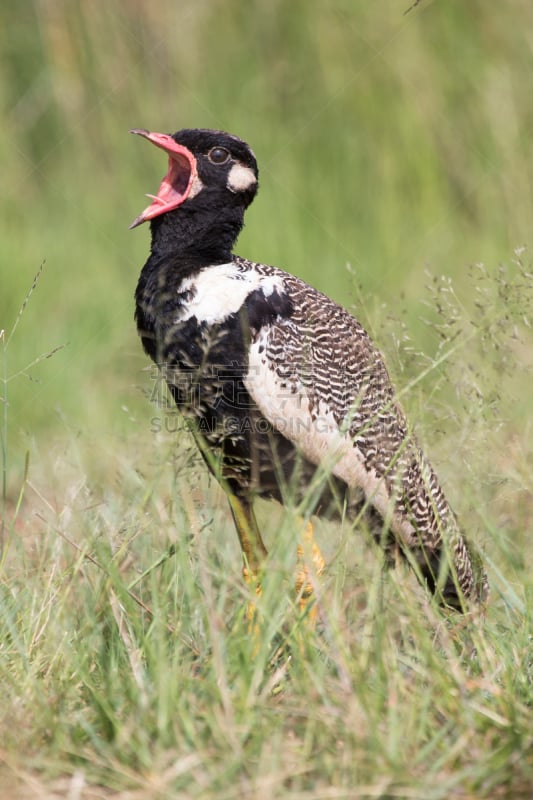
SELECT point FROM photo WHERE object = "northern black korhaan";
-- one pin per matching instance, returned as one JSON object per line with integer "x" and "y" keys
{"x": 276, "y": 379}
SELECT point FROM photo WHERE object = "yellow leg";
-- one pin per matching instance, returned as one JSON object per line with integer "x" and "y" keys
{"x": 253, "y": 550}
{"x": 311, "y": 565}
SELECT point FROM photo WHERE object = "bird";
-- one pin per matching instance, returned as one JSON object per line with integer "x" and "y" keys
{"x": 283, "y": 389}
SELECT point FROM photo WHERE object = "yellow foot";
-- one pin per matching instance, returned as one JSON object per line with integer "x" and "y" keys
{"x": 311, "y": 565}
{"x": 252, "y": 580}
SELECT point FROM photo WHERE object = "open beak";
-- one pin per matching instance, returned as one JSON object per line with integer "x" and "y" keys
{"x": 176, "y": 184}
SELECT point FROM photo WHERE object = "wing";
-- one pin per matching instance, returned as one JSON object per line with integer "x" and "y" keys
{"x": 319, "y": 380}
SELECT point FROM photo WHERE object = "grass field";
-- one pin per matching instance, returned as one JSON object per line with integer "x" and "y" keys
{"x": 395, "y": 153}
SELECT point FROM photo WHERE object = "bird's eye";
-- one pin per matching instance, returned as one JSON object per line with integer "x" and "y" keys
{"x": 218, "y": 155}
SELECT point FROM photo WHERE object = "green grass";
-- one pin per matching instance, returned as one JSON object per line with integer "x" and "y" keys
{"x": 173, "y": 698}
{"x": 394, "y": 155}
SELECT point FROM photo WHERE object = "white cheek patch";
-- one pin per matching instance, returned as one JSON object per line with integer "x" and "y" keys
{"x": 240, "y": 178}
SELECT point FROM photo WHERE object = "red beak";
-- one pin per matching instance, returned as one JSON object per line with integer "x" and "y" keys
{"x": 176, "y": 184}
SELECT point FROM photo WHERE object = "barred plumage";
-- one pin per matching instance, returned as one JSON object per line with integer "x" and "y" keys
{"x": 279, "y": 379}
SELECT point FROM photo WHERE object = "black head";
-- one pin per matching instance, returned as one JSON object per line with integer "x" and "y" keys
{"x": 206, "y": 169}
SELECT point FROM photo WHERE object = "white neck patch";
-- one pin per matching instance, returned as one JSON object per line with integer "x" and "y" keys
{"x": 221, "y": 290}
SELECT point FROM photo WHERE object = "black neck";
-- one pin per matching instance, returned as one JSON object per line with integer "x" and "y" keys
{"x": 197, "y": 234}
{"x": 183, "y": 241}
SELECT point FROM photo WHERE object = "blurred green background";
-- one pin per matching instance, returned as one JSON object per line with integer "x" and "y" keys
{"x": 395, "y": 154}
{"x": 388, "y": 144}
